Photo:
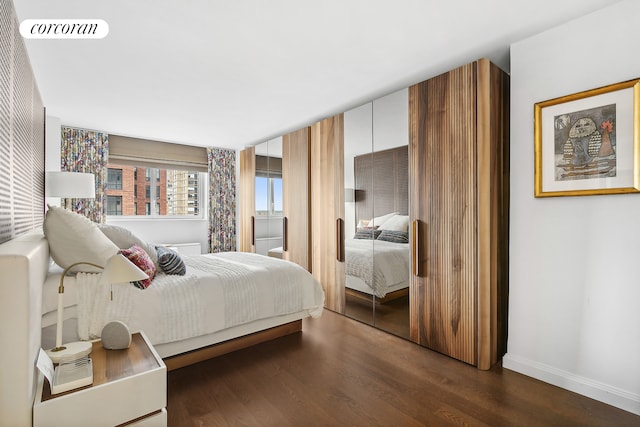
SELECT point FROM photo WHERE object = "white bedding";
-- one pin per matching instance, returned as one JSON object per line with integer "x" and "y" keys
{"x": 383, "y": 266}
{"x": 219, "y": 291}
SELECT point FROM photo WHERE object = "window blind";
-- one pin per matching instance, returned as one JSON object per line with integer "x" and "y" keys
{"x": 128, "y": 151}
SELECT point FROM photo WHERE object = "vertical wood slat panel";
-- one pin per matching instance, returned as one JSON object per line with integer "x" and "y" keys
{"x": 442, "y": 129}
{"x": 327, "y": 206}
{"x": 297, "y": 196}
{"x": 21, "y": 134}
{"x": 247, "y": 197}
{"x": 460, "y": 190}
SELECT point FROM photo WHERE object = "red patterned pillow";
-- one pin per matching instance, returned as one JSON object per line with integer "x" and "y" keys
{"x": 141, "y": 259}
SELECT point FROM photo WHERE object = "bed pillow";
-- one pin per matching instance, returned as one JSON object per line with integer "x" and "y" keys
{"x": 380, "y": 220}
{"x": 394, "y": 236}
{"x": 367, "y": 233}
{"x": 74, "y": 238}
{"x": 141, "y": 259}
{"x": 123, "y": 238}
{"x": 396, "y": 223}
{"x": 170, "y": 262}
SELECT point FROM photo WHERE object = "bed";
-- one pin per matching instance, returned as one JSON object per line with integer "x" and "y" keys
{"x": 377, "y": 258}
{"x": 28, "y": 288}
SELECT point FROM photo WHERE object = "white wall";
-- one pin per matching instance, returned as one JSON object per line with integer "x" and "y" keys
{"x": 574, "y": 303}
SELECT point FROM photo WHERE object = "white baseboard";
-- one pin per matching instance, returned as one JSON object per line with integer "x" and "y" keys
{"x": 585, "y": 386}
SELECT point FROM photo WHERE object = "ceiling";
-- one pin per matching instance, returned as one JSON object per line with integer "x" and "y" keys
{"x": 232, "y": 73}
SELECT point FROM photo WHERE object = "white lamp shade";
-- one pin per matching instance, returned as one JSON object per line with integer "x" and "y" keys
{"x": 70, "y": 184}
{"x": 120, "y": 270}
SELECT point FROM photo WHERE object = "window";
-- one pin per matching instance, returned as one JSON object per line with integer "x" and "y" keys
{"x": 114, "y": 205}
{"x": 268, "y": 196}
{"x": 114, "y": 179}
{"x": 167, "y": 192}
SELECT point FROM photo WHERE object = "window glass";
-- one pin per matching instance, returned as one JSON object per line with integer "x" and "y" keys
{"x": 114, "y": 179}
{"x": 268, "y": 196}
{"x": 175, "y": 193}
{"x": 114, "y": 205}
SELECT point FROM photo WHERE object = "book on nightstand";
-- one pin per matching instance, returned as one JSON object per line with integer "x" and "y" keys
{"x": 66, "y": 376}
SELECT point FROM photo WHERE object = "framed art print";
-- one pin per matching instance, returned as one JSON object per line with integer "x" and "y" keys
{"x": 589, "y": 142}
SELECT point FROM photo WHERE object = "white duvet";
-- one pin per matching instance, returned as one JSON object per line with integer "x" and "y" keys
{"x": 217, "y": 292}
{"x": 380, "y": 264}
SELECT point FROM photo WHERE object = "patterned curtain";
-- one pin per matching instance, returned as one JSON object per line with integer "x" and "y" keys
{"x": 222, "y": 199}
{"x": 86, "y": 151}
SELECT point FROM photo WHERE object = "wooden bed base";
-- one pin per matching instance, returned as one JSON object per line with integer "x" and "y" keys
{"x": 214, "y": 350}
{"x": 388, "y": 297}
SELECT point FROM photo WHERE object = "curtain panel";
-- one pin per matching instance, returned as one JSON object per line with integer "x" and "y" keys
{"x": 222, "y": 199}
{"x": 85, "y": 150}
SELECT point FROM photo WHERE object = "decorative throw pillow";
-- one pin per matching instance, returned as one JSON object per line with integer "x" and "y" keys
{"x": 396, "y": 223}
{"x": 367, "y": 233}
{"x": 394, "y": 236}
{"x": 170, "y": 261}
{"x": 123, "y": 238}
{"x": 75, "y": 238}
{"x": 141, "y": 259}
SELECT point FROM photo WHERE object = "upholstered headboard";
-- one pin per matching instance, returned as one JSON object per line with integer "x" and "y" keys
{"x": 24, "y": 263}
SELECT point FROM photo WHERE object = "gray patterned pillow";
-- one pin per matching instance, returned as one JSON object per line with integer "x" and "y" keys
{"x": 367, "y": 233}
{"x": 394, "y": 236}
{"x": 170, "y": 262}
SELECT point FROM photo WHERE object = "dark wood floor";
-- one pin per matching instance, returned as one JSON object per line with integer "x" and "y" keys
{"x": 340, "y": 372}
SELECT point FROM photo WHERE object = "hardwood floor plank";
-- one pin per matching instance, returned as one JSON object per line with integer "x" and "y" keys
{"x": 340, "y": 372}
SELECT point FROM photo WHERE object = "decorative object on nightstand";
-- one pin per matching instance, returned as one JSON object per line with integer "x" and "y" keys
{"x": 118, "y": 270}
{"x": 115, "y": 336}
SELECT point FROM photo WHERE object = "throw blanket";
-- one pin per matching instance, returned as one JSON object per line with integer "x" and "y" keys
{"x": 217, "y": 292}
{"x": 378, "y": 263}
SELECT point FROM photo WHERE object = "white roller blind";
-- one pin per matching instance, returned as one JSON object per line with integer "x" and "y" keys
{"x": 127, "y": 151}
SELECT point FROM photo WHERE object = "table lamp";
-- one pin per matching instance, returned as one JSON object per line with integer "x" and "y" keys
{"x": 70, "y": 184}
{"x": 118, "y": 270}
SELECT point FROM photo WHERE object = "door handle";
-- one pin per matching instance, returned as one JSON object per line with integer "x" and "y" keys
{"x": 340, "y": 240}
{"x": 285, "y": 236}
{"x": 253, "y": 230}
{"x": 416, "y": 254}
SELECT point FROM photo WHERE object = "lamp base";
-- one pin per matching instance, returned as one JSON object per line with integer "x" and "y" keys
{"x": 70, "y": 351}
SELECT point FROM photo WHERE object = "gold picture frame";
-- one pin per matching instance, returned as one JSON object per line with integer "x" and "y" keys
{"x": 588, "y": 143}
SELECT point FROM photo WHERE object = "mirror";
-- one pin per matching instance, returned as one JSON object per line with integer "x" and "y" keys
{"x": 391, "y": 250}
{"x": 268, "y": 198}
{"x": 358, "y": 242}
{"x": 377, "y": 264}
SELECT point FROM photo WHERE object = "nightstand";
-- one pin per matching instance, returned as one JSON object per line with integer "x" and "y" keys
{"x": 129, "y": 387}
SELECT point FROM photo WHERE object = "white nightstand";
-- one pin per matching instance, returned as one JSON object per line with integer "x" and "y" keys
{"x": 129, "y": 386}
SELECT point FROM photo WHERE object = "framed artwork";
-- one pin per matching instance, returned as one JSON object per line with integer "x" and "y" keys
{"x": 589, "y": 142}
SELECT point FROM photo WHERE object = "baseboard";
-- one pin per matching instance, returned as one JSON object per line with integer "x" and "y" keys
{"x": 585, "y": 386}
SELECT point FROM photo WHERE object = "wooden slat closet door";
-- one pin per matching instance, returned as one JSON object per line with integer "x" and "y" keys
{"x": 247, "y": 199}
{"x": 296, "y": 197}
{"x": 327, "y": 209}
{"x": 442, "y": 152}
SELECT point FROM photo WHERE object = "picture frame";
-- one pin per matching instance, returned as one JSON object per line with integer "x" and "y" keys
{"x": 588, "y": 143}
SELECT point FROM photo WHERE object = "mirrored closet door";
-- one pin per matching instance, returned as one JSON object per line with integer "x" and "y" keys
{"x": 376, "y": 214}
{"x": 267, "y": 227}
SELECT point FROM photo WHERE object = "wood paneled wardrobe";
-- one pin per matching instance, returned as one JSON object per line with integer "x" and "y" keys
{"x": 458, "y": 191}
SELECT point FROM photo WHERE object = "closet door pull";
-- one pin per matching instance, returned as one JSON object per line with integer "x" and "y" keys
{"x": 340, "y": 240}
{"x": 253, "y": 230}
{"x": 285, "y": 236}
{"x": 415, "y": 247}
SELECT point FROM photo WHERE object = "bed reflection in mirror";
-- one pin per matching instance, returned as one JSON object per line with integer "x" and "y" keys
{"x": 377, "y": 222}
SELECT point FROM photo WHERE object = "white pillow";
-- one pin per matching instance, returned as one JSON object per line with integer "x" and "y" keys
{"x": 74, "y": 238}
{"x": 123, "y": 238}
{"x": 396, "y": 223}
{"x": 379, "y": 220}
